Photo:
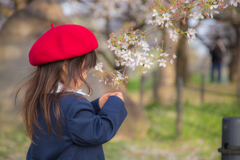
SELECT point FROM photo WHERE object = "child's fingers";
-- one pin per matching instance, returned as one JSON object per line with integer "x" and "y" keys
{"x": 107, "y": 95}
{"x": 117, "y": 93}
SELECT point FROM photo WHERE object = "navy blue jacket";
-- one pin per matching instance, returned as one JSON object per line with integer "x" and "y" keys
{"x": 84, "y": 129}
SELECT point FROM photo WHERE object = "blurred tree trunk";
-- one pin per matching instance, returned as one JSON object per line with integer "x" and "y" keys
{"x": 182, "y": 57}
{"x": 233, "y": 65}
{"x": 182, "y": 60}
{"x": 167, "y": 75}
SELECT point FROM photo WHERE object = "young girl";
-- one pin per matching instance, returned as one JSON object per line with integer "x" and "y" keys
{"x": 60, "y": 122}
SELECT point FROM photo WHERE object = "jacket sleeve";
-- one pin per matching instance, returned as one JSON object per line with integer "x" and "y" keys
{"x": 88, "y": 129}
{"x": 95, "y": 104}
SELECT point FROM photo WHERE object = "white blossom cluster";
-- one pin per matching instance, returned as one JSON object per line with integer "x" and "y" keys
{"x": 119, "y": 78}
{"x": 191, "y": 33}
{"x": 139, "y": 57}
{"x": 234, "y": 2}
{"x": 99, "y": 66}
{"x": 134, "y": 59}
{"x": 164, "y": 18}
{"x": 160, "y": 19}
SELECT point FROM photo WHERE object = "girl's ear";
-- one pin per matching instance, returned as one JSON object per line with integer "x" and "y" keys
{"x": 65, "y": 66}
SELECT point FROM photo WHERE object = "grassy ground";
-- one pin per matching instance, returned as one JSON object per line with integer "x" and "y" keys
{"x": 201, "y": 128}
{"x": 200, "y": 138}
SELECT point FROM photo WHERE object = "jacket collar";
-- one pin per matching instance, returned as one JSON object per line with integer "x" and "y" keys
{"x": 79, "y": 91}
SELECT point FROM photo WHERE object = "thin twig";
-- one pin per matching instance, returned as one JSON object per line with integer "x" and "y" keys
{"x": 124, "y": 70}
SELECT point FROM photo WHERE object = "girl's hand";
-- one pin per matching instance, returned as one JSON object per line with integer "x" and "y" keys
{"x": 103, "y": 99}
{"x": 119, "y": 94}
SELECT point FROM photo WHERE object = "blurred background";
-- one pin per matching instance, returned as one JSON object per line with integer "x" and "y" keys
{"x": 173, "y": 112}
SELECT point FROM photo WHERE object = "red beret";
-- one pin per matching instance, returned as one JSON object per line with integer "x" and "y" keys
{"x": 62, "y": 42}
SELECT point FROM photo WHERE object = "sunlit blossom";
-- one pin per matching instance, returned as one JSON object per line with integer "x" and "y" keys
{"x": 191, "y": 33}
{"x": 173, "y": 35}
{"x": 162, "y": 62}
{"x": 164, "y": 54}
{"x": 174, "y": 56}
{"x": 155, "y": 13}
{"x": 127, "y": 56}
{"x": 145, "y": 46}
{"x": 166, "y": 16}
{"x": 159, "y": 20}
{"x": 117, "y": 63}
{"x": 169, "y": 23}
{"x": 234, "y": 2}
{"x": 99, "y": 66}
{"x": 148, "y": 63}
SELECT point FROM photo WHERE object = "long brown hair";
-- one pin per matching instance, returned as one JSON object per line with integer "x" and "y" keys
{"x": 42, "y": 85}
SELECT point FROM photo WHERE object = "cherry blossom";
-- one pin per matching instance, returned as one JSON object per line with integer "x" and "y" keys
{"x": 145, "y": 46}
{"x": 234, "y": 2}
{"x": 99, "y": 66}
{"x": 162, "y": 62}
{"x": 191, "y": 33}
{"x": 173, "y": 35}
{"x": 164, "y": 54}
{"x": 214, "y": 6}
{"x": 155, "y": 13}
{"x": 160, "y": 20}
{"x": 117, "y": 63}
{"x": 147, "y": 63}
{"x": 197, "y": 15}
{"x": 150, "y": 21}
{"x": 166, "y": 16}
{"x": 169, "y": 23}
{"x": 126, "y": 37}
{"x": 139, "y": 57}
{"x": 213, "y": 12}
{"x": 174, "y": 56}
{"x": 127, "y": 56}
{"x": 173, "y": 10}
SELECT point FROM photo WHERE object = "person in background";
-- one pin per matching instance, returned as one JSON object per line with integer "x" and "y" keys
{"x": 217, "y": 58}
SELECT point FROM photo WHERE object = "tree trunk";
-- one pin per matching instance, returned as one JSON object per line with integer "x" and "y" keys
{"x": 233, "y": 65}
{"x": 182, "y": 60}
{"x": 182, "y": 57}
{"x": 167, "y": 75}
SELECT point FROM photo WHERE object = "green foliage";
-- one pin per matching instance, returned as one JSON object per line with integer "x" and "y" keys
{"x": 13, "y": 145}
{"x": 135, "y": 82}
{"x": 197, "y": 79}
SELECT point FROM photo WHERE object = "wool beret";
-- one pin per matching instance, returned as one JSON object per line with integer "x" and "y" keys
{"x": 62, "y": 42}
